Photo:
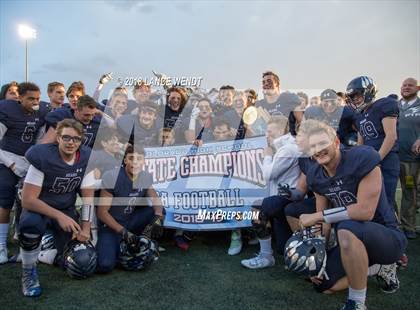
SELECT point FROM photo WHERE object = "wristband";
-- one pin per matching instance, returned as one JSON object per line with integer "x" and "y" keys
{"x": 87, "y": 212}
{"x": 335, "y": 215}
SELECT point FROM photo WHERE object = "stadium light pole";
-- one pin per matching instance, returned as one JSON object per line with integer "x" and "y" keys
{"x": 26, "y": 33}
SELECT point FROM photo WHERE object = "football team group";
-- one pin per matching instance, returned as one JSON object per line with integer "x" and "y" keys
{"x": 331, "y": 164}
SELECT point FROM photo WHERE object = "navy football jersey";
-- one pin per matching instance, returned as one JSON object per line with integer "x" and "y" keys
{"x": 22, "y": 127}
{"x": 341, "y": 189}
{"x": 305, "y": 163}
{"x": 341, "y": 119}
{"x": 178, "y": 121}
{"x": 130, "y": 129}
{"x": 61, "y": 180}
{"x": 284, "y": 105}
{"x": 129, "y": 193}
{"x": 369, "y": 122}
{"x": 90, "y": 130}
{"x": 104, "y": 161}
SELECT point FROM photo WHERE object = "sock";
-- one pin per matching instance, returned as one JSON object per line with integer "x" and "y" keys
{"x": 236, "y": 234}
{"x": 265, "y": 247}
{"x": 357, "y": 295}
{"x": 373, "y": 270}
{"x": 4, "y": 229}
{"x": 29, "y": 258}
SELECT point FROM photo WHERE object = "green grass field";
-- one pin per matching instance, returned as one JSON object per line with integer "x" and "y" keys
{"x": 204, "y": 277}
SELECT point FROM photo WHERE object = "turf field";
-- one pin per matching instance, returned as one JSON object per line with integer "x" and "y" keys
{"x": 204, "y": 277}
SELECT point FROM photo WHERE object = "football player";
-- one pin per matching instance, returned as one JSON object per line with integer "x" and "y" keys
{"x": 339, "y": 117}
{"x": 74, "y": 92}
{"x": 201, "y": 123}
{"x": 174, "y": 113}
{"x": 85, "y": 113}
{"x": 377, "y": 127}
{"x": 143, "y": 128}
{"x": 9, "y": 91}
{"x": 280, "y": 166}
{"x": 56, "y": 173}
{"x": 275, "y": 103}
{"x": 56, "y": 92}
{"x": 350, "y": 181}
{"x": 123, "y": 209}
{"x": 21, "y": 122}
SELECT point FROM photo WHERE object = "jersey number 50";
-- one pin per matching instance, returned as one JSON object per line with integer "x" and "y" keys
{"x": 65, "y": 185}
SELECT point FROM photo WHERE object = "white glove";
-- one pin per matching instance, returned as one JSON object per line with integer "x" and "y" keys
{"x": 105, "y": 78}
{"x": 194, "y": 115}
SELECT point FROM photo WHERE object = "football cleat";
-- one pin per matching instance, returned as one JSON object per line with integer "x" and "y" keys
{"x": 258, "y": 262}
{"x": 353, "y": 305}
{"x": 30, "y": 282}
{"x": 3, "y": 255}
{"x": 47, "y": 256}
{"x": 387, "y": 278}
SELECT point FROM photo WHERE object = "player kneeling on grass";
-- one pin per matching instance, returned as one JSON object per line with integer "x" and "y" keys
{"x": 124, "y": 212}
{"x": 367, "y": 229}
{"x": 56, "y": 174}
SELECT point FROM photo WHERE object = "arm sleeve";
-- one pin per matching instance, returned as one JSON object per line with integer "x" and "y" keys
{"x": 34, "y": 176}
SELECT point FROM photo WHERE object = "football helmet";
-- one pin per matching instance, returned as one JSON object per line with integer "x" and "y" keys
{"x": 305, "y": 253}
{"x": 361, "y": 86}
{"x": 139, "y": 254}
{"x": 80, "y": 259}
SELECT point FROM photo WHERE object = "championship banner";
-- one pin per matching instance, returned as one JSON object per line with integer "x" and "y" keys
{"x": 211, "y": 187}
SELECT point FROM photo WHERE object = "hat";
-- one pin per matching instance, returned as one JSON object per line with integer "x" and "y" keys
{"x": 329, "y": 94}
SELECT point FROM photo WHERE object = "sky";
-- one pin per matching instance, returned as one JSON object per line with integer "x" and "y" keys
{"x": 312, "y": 45}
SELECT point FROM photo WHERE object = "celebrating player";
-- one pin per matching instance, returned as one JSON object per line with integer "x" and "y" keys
{"x": 85, "y": 113}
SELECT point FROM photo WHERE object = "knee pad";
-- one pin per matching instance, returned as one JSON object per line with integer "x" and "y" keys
{"x": 29, "y": 242}
{"x": 261, "y": 228}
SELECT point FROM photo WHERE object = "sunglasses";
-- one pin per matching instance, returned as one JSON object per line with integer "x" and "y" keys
{"x": 75, "y": 139}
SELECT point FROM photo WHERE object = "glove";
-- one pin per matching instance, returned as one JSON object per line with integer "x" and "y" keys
{"x": 128, "y": 236}
{"x": 283, "y": 190}
{"x": 194, "y": 115}
{"x": 105, "y": 78}
{"x": 155, "y": 229}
